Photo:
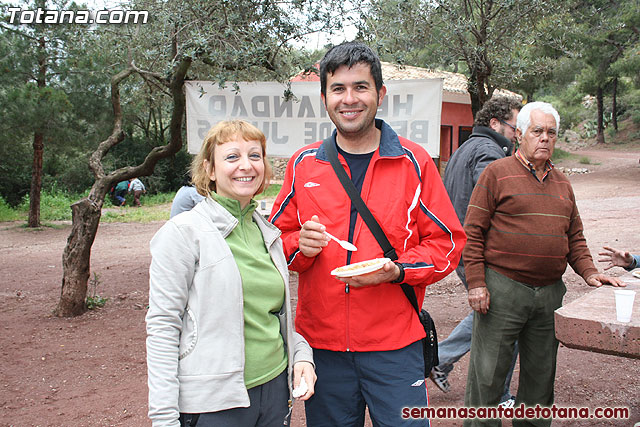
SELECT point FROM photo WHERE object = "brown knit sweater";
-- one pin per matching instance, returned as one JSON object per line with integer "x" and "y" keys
{"x": 522, "y": 228}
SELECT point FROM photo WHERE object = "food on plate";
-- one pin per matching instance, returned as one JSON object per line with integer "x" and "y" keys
{"x": 357, "y": 265}
{"x": 361, "y": 267}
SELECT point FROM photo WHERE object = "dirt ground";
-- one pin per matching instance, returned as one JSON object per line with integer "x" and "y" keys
{"x": 90, "y": 371}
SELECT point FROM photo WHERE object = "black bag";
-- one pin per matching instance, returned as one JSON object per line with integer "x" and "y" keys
{"x": 430, "y": 342}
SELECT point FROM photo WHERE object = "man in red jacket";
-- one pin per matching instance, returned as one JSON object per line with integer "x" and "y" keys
{"x": 364, "y": 332}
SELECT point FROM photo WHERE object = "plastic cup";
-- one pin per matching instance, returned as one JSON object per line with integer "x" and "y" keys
{"x": 624, "y": 304}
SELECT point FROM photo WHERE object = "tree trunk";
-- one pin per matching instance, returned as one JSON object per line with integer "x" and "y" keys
{"x": 475, "y": 94}
{"x": 77, "y": 257}
{"x": 614, "y": 105}
{"x": 599, "y": 99}
{"x": 38, "y": 143}
{"x": 36, "y": 180}
{"x": 476, "y": 86}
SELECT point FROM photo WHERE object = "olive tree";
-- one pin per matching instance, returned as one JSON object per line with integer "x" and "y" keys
{"x": 218, "y": 40}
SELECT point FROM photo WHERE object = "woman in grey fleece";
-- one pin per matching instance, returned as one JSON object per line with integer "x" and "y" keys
{"x": 221, "y": 349}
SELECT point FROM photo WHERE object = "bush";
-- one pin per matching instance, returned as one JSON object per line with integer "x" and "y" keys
{"x": 584, "y": 160}
{"x": 272, "y": 191}
{"x": 7, "y": 213}
{"x": 55, "y": 205}
{"x": 559, "y": 154}
{"x": 629, "y": 106}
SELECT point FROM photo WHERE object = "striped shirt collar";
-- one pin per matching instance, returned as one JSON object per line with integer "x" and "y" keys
{"x": 527, "y": 164}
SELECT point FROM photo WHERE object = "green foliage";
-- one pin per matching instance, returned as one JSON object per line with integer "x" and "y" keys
{"x": 584, "y": 160}
{"x": 144, "y": 214}
{"x": 272, "y": 191}
{"x": 94, "y": 300}
{"x": 629, "y": 104}
{"x": 55, "y": 205}
{"x": 492, "y": 39}
{"x": 159, "y": 199}
{"x": 7, "y": 213}
{"x": 568, "y": 102}
{"x": 560, "y": 154}
{"x": 40, "y": 94}
{"x": 225, "y": 42}
{"x": 547, "y": 50}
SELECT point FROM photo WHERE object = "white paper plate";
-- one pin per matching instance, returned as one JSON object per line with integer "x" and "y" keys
{"x": 636, "y": 273}
{"x": 358, "y": 268}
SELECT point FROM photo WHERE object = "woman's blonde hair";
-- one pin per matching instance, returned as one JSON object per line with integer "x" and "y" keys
{"x": 222, "y": 132}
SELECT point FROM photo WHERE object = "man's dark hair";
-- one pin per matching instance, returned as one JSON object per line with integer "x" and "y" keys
{"x": 350, "y": 54}
{"x": 497, "y": 108}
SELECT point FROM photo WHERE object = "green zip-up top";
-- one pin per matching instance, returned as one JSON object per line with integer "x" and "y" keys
{"x": 263, "y": 291}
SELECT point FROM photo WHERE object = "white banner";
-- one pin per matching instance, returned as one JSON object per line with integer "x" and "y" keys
{"x": 411, "y": 107}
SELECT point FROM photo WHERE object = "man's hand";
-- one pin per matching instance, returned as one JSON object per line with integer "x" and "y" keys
{"x": 390, "y": 271}
{"x": 312, "y": 238}
{"x": 598, "y": 279}
{"x": 479, "y": 299}
{"x": 304, "y": 369}
{"x": 615, "y": 258}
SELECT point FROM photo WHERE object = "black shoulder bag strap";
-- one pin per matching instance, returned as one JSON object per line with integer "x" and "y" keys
{"x": 367, "y": 216}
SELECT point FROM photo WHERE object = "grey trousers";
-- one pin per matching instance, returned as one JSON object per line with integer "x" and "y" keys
{"x": 517, "y": 312}
{"x": 458, "y": 343}
{"x": 269, "y": 408}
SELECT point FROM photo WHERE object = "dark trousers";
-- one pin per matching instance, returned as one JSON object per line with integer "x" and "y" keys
{"x": 136, "y": 197}
{"x": 517, "y": 312}
{"x": 269, "y": 407}
{"x": 120, "y": 197}
{"x": 385, "y": 381}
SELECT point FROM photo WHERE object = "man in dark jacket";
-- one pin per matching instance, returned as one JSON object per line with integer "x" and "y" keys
{"x": 493, "y": 138}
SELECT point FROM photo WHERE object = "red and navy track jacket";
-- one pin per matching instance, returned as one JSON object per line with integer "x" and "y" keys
{"x": 404, "y": 191}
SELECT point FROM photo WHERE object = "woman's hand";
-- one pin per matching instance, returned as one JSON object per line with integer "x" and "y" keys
{"x": 306, "y": 370}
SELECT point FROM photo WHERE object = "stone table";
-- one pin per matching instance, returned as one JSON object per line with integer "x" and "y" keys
{"x": 589, "y": 322}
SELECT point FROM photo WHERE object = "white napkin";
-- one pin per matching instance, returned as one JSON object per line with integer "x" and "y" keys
{"x": 301, "y": 389}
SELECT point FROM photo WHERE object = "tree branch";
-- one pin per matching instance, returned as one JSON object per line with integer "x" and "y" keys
{"x": 117, "y": 134}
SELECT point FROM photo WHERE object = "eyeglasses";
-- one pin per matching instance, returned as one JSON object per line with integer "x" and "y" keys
{"x": 508, "y": 124}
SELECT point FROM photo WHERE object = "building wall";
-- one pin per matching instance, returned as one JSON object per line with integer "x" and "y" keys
{"x": 455, "y": 117}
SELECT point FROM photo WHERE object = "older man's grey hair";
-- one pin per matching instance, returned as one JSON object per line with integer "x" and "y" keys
{"x": 524, "y": 118}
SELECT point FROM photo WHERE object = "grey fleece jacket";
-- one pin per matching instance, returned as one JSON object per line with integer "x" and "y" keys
{"x": 195, "y": 322}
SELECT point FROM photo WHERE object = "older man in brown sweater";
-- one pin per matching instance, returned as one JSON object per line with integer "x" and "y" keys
{"x": 523, "y": 228}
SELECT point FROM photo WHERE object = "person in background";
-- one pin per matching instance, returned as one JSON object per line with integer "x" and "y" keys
{"x": 221, "y": 348}
{"x": 186, "y": 198}
{"x": 493, "y": 138}
{"x": 523, "y": 228}
{"x": 365, "y": 334}
{"x": 137, "y": 188}
{"x": 120, "y": 191}
{"x": 618, "y": 258}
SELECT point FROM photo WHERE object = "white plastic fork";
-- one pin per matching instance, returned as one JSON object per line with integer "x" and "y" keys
{"x": 346, "y": 245}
